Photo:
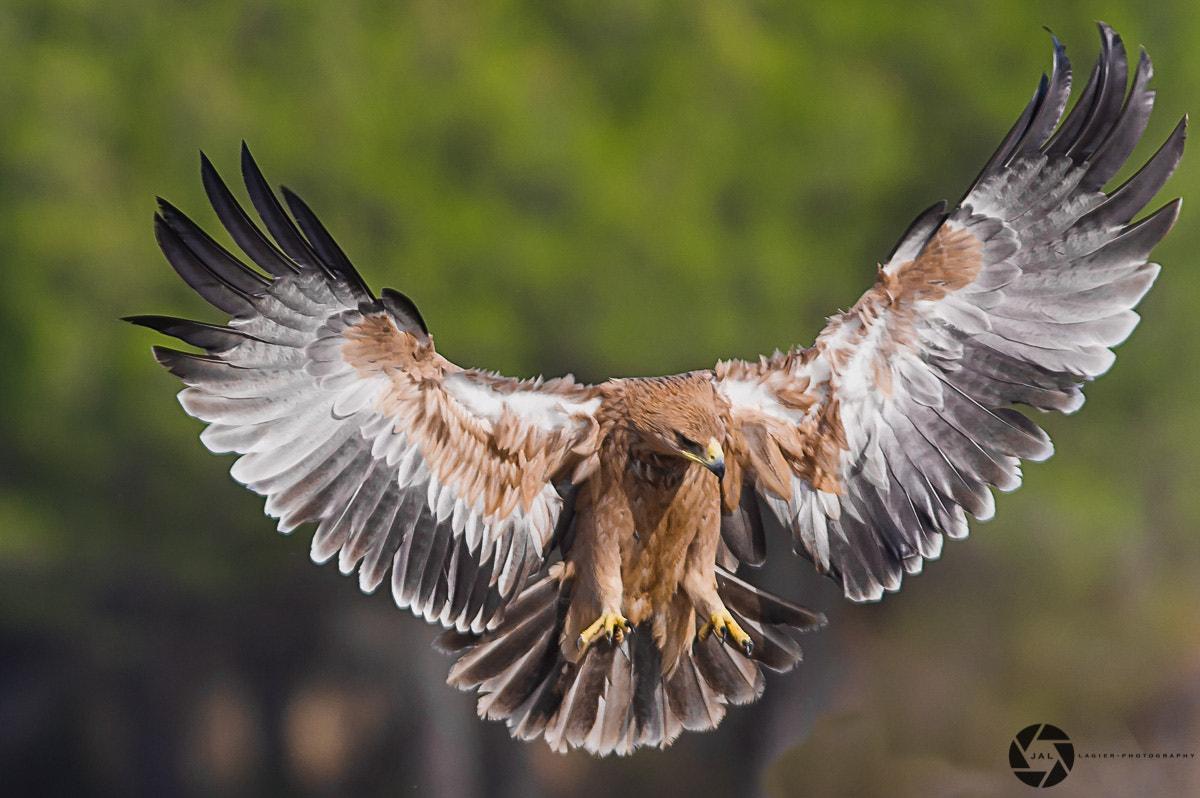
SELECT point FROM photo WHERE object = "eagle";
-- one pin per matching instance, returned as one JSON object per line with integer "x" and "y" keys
{"x": 586, "y": 547}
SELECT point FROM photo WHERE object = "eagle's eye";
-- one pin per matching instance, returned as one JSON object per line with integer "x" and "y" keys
{"x": 686, "y": 444}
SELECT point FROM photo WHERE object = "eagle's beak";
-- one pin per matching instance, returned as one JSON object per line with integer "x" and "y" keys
{"x": 712, "y": 458}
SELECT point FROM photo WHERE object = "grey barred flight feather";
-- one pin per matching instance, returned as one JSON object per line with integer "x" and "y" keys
{"x": 583, "y": 544}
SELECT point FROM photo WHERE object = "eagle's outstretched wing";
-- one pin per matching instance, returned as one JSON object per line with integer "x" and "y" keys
{"x": 878, "y": 440}
{"x": 344, "y": 415}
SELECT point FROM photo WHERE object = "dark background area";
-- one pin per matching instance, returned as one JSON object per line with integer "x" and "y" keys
{"x": 609, "y": 189}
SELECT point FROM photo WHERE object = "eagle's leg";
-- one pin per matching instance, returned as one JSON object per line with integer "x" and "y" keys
{"x": 595, "y": 557}
{"x": 700, "y": 584}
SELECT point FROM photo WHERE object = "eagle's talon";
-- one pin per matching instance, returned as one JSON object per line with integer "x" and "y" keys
{"x": 612, "y": 625}
{"x": 723, "y": 625}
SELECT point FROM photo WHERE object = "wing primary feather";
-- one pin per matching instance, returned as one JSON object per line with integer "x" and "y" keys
{"x": 1068, "y": 131}
{"x": 1109, "y": 96}
{"x": 1014, "y": 136}
{"x": 241, "y": 227}
{"x": 1135, "y": 242}
{"x": 1132, "y": 195}
{"x": 211, "y": 337}
{"x": 208, "y": 284}
{"x": 1058, "y": 89}
{"x": 332, "y": 256}
{"x": 275, "y": 217}
{"x": 1127, "y": 131}
{"x": 215, "y": 257}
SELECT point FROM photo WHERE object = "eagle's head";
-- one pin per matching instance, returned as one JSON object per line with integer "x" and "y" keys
{"x": 676, "y": 417}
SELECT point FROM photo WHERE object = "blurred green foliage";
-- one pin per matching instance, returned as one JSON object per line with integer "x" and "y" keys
{"x": 610, "y": 189}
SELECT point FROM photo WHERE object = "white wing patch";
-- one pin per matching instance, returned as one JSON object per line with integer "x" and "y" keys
{"x": 546, "y": 410}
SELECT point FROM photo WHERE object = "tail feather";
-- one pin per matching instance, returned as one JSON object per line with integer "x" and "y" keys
{"x": 734, "y": 677}
{"x": 692, "y": 700}
{"x": 582, "y": 703}
{"x": 619, "y": 697}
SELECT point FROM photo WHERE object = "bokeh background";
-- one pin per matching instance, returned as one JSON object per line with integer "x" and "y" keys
{"x": 607, "y": 188}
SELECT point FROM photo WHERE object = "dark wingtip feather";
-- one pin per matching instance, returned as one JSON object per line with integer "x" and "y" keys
{"x": 1050, "y": 110}
{"x": 1164, "y": 218}
{"x": 1068, "y": 131}
{"x": 1124, "y": 202}
{"x": 178, "y": 363}
{"x": 1109, "y": 97}
{"x": 202, "y": 280}
{"x": 241, "y": 227}
{"x": 332, "y": 256}
{"x": 1014, "y": 136}
{"x": 273, "y": 215}
{"x": 215, "y": 257}
{"x": 206, "y": 336}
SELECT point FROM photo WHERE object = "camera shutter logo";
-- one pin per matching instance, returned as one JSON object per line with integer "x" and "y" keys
{"x": 1045, "y": 765}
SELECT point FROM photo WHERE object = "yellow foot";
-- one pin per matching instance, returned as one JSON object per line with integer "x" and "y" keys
{"x": 610, "y": 624}
{"x": 725, "y": 627}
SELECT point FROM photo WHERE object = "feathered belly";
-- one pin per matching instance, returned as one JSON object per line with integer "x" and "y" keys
{"x": 667, "y": 523}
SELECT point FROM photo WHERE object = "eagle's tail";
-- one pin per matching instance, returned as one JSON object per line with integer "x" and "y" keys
{"x": 617, "y": 698}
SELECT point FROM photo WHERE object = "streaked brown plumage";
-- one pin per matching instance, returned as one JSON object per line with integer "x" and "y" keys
{"x": 580, "y": 542}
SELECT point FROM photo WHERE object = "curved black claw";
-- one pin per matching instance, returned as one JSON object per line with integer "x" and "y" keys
{"x": 610, "y": 625}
